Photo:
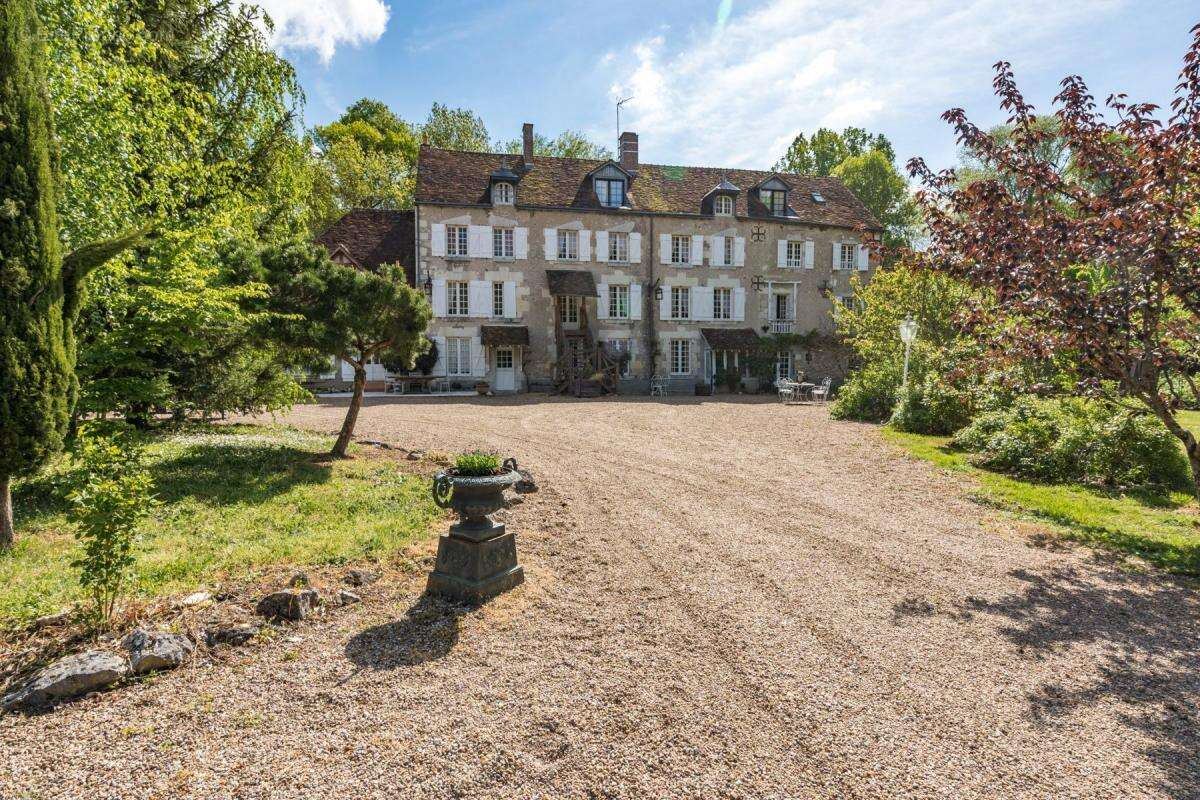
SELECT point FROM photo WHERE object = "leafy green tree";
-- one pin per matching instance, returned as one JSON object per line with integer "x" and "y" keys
{"x": 357, "y": 315}
{"x": 884, "y": 191}
{"x": 455, "y": 129}
{"x": 568, "y": 144}
{"x": 826, "y": 149}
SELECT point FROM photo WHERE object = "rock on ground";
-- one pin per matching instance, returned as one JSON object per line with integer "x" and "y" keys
{"x": 233, "y": 635}
{"x": 360, "y": 577}
{"x": 288, "y": 604}
{"x": 156, "y": 650}
{"x": 66, "y": 678}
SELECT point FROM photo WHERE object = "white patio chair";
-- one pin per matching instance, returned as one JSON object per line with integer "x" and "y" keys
{"x": 821, "y": 393}
{"x": 787, "y": 390}
{"x": 658, "y": 387}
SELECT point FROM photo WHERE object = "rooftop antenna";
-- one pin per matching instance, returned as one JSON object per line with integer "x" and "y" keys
{"x": 619, "y": 104}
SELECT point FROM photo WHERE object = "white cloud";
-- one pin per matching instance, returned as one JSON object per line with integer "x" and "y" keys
{"x": 736, "y": 94}
{"x": 324, "y": 25}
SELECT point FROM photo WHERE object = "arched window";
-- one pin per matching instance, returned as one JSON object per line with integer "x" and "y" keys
{"x": 502, "y": 194}
{"x": 723, "y": 205}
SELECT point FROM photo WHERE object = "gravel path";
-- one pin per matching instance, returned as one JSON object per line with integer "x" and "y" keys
{"x": 724, "y": 599}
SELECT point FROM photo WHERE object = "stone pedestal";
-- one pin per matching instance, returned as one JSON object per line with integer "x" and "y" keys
{"x": 475, "y": 563}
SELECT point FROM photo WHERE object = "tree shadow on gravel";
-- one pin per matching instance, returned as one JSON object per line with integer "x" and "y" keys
{"x": 1149, "y": 627}
{"x": 428, "y": 632}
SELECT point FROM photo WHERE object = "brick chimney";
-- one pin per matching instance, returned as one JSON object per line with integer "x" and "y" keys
{"x": 628, "y": 151}
{"x": 527, "y": 144}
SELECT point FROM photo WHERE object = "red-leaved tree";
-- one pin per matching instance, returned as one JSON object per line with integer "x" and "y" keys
{"x": 1095, "y": 257}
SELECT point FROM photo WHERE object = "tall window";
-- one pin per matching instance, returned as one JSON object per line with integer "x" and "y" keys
{"x": 723, "y": 205}
{"x": 781, "y": 307}
{"x": 568, "y": 245}
{"x": 783, "y": 365}
{"x": 458, "y": 356}
{"x": 618, "y": 302}
{"x": 681, "y": 356}
{"x": 497, "y": 298}
{"x": 568, "y": 309}
{"x": 728, "y": 251}
{"x": 456, "y": 240}
{"x": 846, "y": 255}
{"x": 722, "y": 304}
{"x": 618, "y": 348}
{"x": 795, "y": 254}
{"x": 681, "y": 249}
{"x": 610, "y": 193}
{"x": 502, "y": 242}
{"x": 502, "y": 194}
{"x": 618, "y": 247}
{"x": 775, "y": 200}
{"x": 681, "y": 302}
{"x": 456, "y": 298}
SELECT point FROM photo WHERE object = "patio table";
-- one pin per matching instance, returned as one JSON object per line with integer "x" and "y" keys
{"x": 804, "y": 390}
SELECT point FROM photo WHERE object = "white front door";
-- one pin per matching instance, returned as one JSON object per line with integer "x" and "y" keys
{"x": 506, "y": 373}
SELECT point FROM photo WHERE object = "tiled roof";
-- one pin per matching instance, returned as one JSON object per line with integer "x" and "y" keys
{"x": 571, "y": 282}
{"x": 730, "y": 338}
{"x": 458, "y": 178}
{"x": 504, "y": 335}
{"x": 374, "y": 236}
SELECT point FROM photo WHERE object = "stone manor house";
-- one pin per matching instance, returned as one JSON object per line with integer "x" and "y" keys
{"x": 570, "y": 274}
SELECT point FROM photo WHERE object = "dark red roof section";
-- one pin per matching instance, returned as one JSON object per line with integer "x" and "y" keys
{"x": 458, "y": 178}
{"x": 375, "y": 236}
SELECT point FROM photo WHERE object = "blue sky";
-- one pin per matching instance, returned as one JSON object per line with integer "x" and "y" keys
{"x": 725, "y": 82}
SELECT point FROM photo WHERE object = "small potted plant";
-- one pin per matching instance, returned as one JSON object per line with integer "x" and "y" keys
{"x": 474, "y": 487}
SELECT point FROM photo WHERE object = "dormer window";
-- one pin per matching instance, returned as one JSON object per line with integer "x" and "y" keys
{"x": 610, "y": 192}
{"x": 502, "y": 194}
{"x": 723, "y": 205}
{"x": 818, "y": 198}
{"x": 775, "y": 200}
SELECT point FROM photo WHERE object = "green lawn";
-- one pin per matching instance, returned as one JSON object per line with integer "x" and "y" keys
{"x": 235, "y": 499}
{"x": 1164, "y": 530}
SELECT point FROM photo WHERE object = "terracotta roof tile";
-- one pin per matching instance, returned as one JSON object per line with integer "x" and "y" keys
{"x": 460, "y": 178}
{"x": 375, "y": 236}
{"x": 504, "y": 335}
{"x": 571, "y": 282}
{"x": 730, "y": 338}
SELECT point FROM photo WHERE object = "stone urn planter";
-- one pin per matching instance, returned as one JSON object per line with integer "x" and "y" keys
{"x": 477, "y": 559}
{"x": 482, "y": 388}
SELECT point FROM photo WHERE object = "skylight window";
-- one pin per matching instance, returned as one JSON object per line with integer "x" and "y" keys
{"x": 818, "y": 198}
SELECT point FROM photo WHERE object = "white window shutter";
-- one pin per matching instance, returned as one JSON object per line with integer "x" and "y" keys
{"x": 698, "y": 251}
{"x": 739, "y": 304}
{"x": 864, "y": 258}
{"x": 635, "y": 248}
{"x": 478, "y": 358}
{"x": 717, "y": 252}
{"x": 837, "y": 251}
{"x": 510, "y": 299}
{"x": 440, "y": 301}
{"x": 664, "y": 305}
{"x": 602, "y": 302}
{"x": 437, "y": 239}
{"x": 479, "y": 299}
{"x": 551, "y": 243}
{"x": 602, "y": 246}
{"x": 585, "y": 245}
{"x": 664, "y": 248}
{"x": 479, "y": 241}
{"x": 739, "y": 252}
{"x": 439, "y": 367}
{"x": 635, "y": 301}
{"x": 781, "y": 253}
{"x": 521, "y": 243}
{"x": 809, "y": 254}
{"x": 702, "y": 303}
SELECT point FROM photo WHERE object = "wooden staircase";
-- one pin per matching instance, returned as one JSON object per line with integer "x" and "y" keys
{"x": 585, "y": 369}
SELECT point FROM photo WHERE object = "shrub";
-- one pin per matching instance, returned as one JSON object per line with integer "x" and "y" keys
{"x": 1076, "y": 440}
{"x": 110, "y": 496}
{"x": 477, "y": 464}
{"x": 932, "y": 406}
{"x": 868, "y": 395}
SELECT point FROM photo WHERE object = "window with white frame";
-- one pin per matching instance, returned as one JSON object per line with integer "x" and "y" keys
{"x": 618, "y": 247}
{"x": 681, "y": 302}
{"x": 728, "y": 251}
{"x": 722, "y": 303}
{"x": 458, "y": 356}
{"x": 783, "y": 365}
{"x": 619, "y": 348}
{"x": 504, "y": 358}
{"x": 775, "y": 200}
{"x": 846, "y": 255}
{"x": 795, "y": 254}
{"x": 497, "y": 298}
{"x": 456, "y": 298}
{"x": 681, "y": 356}
{"x": 456, "y": 240}
{"x": 618, "y": 302}
{"x": 681, "y": 249}
{"x": 568, "y": 245}
{"x": 502, "y": 194}
{"x": 723, "y": 205}
{"x": 502, "y": 242}
{"x": 568, "y": 309}
{"x": 849, "y": 301}
{"x": 610, "y": 193}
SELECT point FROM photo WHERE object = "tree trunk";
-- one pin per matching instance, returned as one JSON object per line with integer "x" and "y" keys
{"x": 6, "y": 515}
{"x": 1163, "y": 411}
{"x": 343, "y": 440}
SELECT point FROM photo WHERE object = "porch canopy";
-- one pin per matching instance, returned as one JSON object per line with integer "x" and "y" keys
{"x": 504, "y": 335}
{"x": 567, "y": 282}
{"x": 736, "y": 339}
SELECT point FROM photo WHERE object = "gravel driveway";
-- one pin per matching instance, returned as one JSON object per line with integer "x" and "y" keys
{"x": 724, "y": 599}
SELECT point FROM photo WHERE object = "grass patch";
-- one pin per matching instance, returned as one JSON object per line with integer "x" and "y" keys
{"x": 236, "y": 498}
{"x": 1163, "y": 529}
